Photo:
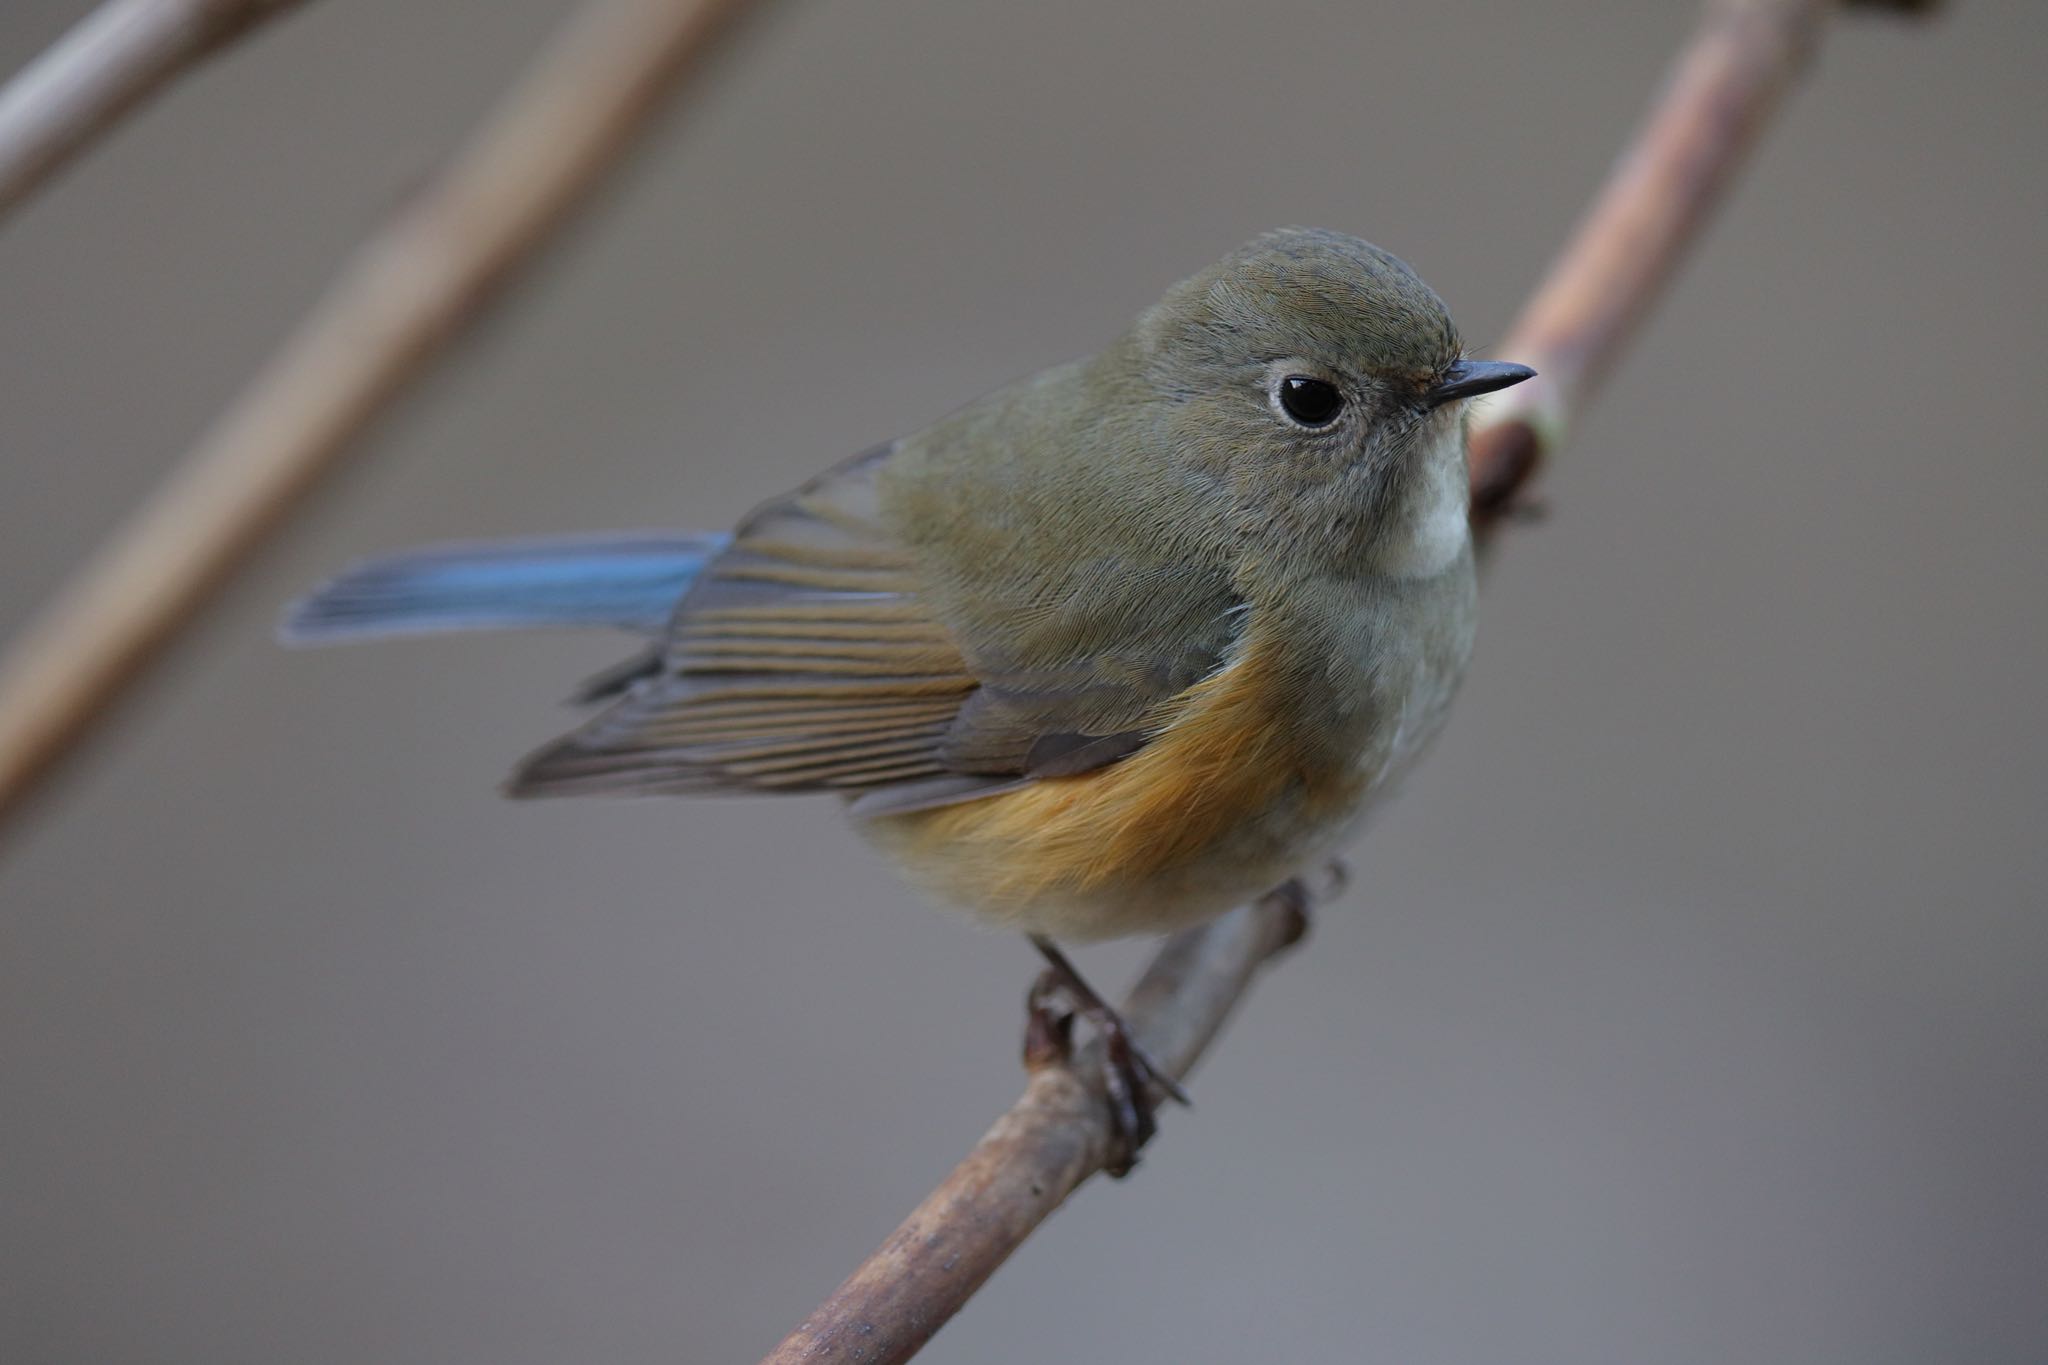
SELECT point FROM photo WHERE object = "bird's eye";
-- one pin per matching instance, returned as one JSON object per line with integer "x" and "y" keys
{"x": 1311, "y": 402}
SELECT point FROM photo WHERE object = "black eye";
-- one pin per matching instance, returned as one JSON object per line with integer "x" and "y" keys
{"x": 1310, "y": 402}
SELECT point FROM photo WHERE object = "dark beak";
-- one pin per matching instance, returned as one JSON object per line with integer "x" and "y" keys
{"x": 1470, "y": 378}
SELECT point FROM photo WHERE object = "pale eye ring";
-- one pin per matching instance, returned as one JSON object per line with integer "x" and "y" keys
{"x": 1310, "y": 401}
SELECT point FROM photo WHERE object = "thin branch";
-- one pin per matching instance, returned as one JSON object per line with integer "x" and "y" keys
{"x": 115, "y": 58}
{"x": 406, "y": 295}
{"x": 1737, "y": 69}
{"x": 1050, "y": 1141}
{"x": 1729, "y": 80}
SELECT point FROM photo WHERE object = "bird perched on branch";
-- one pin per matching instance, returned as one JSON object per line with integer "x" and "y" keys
{"x": 1104, "y": 653}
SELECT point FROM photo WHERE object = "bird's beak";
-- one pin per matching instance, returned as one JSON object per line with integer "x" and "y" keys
{"x": 1470, "y": 378}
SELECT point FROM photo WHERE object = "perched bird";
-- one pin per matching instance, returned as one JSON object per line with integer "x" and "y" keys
{"x": 1104, "y": 653}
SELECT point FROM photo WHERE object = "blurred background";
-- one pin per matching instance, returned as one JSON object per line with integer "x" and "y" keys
{"x": 1687, "y": 1007}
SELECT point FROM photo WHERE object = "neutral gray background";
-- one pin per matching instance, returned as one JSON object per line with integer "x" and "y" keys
{"x": 1688, "y": 1007}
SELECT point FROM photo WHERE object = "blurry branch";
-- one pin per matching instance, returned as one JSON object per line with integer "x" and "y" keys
{"x": 1731, "y": 77}
{"x": 113, "y": 60}
{"x": 1736, "y": 70}
{"x": 409, "y": 292}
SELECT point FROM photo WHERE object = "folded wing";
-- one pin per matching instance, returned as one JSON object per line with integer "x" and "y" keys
{"x": 809, "y": 656}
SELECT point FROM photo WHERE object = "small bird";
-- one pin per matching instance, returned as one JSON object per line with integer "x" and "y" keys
{"x": 1104, "y": 653}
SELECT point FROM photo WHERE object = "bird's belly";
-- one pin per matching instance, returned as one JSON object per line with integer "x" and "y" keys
{"x": 1235, "y": 794}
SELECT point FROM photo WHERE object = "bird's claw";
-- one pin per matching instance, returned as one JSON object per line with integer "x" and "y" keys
{"x": 1131, "y": 1076}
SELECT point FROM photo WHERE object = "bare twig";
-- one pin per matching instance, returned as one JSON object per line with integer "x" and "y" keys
{"x": 1050, "y": 1141}
{"x": 113, "y": 60}
{"x": 1729, "y": 80}
{"x": 408, "y": 292}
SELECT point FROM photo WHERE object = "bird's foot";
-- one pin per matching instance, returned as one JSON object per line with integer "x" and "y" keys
{"x": 1131, "y": 1076}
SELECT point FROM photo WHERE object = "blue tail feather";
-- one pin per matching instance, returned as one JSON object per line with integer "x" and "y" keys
{"x": 632, "y": 581}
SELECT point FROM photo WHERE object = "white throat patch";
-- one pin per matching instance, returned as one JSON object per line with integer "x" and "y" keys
{"x": 1440, "y": 519}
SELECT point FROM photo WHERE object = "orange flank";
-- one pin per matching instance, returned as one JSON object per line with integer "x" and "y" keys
{"x": 1223, "y": 755}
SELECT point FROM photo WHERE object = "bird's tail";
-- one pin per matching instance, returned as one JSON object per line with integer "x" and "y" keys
{"x": 632, "y": 581}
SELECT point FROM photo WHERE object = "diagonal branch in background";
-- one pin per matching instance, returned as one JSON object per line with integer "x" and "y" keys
{"x": 1730, "y": 80}
{"x": 409, "y": 292}
{"x": 1732, "y": 75}
{"x": 113, "y": 60}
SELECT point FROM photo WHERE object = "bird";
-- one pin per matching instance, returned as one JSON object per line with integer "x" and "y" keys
{"x": 1103, "y": 653}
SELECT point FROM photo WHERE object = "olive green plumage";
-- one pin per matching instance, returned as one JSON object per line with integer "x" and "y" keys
{"x": 1233, "y": 540}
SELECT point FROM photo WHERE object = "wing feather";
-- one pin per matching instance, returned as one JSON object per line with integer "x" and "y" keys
{"x": 809, "y": 656}
{"x": 803, "y": 657}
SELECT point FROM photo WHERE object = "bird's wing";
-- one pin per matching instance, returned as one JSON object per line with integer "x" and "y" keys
{"x": 810, "y": 655}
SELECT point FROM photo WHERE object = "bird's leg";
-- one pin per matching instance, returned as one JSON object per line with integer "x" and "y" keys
{"x": 1048, "y": 1025}
{"x": 1129, "y": 1072}
{"x": 1298, "y": 897}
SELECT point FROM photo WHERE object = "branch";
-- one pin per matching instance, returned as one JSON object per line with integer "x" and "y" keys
{"x": 1727, "y": 84}
{"x": 118, "y": 56}
{"x": 1050, "y": 1141}
{"x": 1729, "y": 80}
{"x": 395, "y": 307}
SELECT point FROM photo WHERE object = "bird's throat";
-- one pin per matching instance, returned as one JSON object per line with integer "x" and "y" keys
{"x": 1432, "y": 527}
